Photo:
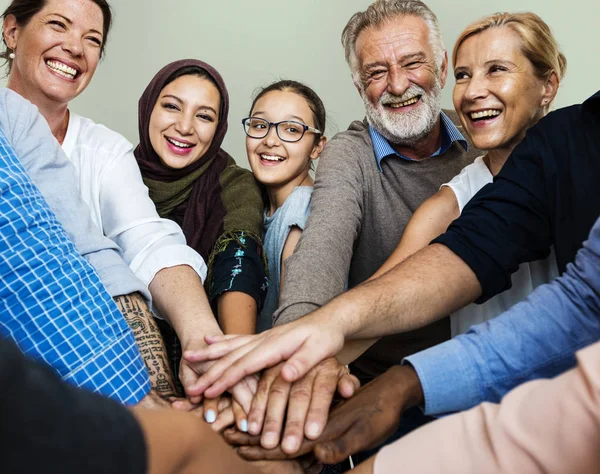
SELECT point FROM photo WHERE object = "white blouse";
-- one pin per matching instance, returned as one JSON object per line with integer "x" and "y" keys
{"x": 111, "y": 185}
{"x": 529, "y": 275}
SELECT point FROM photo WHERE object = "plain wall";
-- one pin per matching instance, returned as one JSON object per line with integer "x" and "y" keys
{"x": 304, "y": 38}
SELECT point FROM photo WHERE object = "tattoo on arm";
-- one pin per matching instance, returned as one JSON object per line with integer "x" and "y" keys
{"x": 149, "y": 341}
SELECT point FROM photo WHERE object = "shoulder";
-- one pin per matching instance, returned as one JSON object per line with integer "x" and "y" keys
{"x": 352, "y": 141}
{"x": 295, "y": 210}
{"x": 16, "y": 112}
{"x": 348, "y": 151}
{"x": 97, "y": 137}
{"x": 299, "y": 200}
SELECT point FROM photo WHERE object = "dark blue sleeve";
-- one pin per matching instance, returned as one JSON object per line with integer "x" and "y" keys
{"x": 240, "y": 267}
{"x": 51, "y": 427}
{"x": 507, "y": 222}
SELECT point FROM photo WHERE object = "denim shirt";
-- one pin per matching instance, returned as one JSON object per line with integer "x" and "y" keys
{"x": 536, "y": 338}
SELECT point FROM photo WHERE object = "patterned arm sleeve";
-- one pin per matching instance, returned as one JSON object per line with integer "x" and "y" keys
{"x": 240, "y": 266}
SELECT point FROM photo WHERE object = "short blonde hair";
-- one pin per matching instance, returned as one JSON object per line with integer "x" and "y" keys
{"x": 537, "y": 42}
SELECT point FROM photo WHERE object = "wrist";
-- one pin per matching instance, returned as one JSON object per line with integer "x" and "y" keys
{"x": 406, "y": 384}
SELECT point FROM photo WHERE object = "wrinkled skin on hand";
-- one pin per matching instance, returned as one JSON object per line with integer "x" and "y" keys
{"x": 362, "y": 422}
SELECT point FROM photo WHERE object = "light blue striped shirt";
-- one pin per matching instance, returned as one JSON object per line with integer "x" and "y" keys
{"x": 52, "y": 303}
{"x": 450, "y": 134}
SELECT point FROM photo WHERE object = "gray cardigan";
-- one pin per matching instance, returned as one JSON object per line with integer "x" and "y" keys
{"x": 357, "y": 217}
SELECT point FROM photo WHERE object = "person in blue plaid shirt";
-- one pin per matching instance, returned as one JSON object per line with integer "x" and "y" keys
{"x": 52, "y": 302}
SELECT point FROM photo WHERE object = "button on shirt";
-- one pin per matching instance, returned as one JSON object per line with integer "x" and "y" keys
{"x": 546, "y": 194}
{"x": 52, "y": 303}
{"x": 450, "y": 134}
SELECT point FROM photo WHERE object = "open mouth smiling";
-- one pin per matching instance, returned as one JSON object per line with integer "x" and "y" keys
{"x": 484, "y": 114}
{"x": 179, "y": 144}
{"x": 62, "y": 69}
{"x": 406, "y": 103}
{"x": 271, "y": 158}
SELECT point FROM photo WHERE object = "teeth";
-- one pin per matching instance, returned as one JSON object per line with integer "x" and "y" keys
{"x": 484, "y": 113}
{"x": 178, "y": 143}
{"x": 272, "y": 158}
{"x": 405, "y": 103}
{"x": 62, "y": 69}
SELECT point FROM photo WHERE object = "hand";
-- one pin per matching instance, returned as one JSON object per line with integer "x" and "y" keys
{"x": 243, "y": 391}
{"x": 303, "y": 344}
{"x": 362, "y": 422}
{"x": 307, "y": 400}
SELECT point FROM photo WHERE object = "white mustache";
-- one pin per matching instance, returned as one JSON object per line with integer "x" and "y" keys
{"x": 413, "y": 91}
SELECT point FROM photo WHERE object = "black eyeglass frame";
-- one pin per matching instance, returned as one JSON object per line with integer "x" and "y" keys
{"x": 305, "y": 128}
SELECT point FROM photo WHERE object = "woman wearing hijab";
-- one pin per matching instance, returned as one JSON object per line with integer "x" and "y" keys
{"x": 194, "y": 182}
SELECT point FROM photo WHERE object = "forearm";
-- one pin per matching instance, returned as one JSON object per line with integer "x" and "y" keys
{"x": 353, "y": 349}
{"x": 179, "y": 443}
{"x": 426, "y": 287}
{"x": 178, "y": 294}
{"x": 149, "y": 341}
{"x": 237, "y": 313}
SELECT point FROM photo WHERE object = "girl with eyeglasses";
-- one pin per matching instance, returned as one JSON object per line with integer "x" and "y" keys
{"x": 284, "y": 136}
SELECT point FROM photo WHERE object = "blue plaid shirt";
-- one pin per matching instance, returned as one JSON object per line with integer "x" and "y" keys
{"x": 450, "y": 134}
{"x": 52, "y": 303}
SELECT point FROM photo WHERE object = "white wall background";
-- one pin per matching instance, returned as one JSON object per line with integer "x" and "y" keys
{"x": 305, "y": 46}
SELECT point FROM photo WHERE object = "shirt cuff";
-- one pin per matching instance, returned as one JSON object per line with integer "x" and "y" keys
{"x": 117, "y": 372}
{"x": 448, "y": 377}
{"x": 166, "y": 257}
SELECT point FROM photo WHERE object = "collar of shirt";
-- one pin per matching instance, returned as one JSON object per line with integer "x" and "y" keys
{"x": 450, "y": 134}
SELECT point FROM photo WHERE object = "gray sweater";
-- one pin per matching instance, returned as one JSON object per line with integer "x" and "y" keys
{"x": 357, "y": 217}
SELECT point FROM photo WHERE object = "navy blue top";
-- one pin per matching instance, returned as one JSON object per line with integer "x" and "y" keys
{"x": 547, "y": 194}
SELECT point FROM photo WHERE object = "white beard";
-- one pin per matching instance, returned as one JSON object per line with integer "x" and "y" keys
{"x": 406, "y": 128}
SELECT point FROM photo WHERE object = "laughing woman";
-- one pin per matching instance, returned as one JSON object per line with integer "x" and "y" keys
{"x": 53, "y": 48}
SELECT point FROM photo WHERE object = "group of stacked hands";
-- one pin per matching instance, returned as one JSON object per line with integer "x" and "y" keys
{"x": 58, "y": 307}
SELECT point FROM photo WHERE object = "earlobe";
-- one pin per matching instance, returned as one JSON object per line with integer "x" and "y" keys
{"x": 318, "y": 148}
{"x": 550, "y": 89}
{"x": 10, "y": 31}
{"x": 444, "y": 69}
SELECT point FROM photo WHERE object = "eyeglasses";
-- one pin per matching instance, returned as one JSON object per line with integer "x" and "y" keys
{"x": 288, "y": 131}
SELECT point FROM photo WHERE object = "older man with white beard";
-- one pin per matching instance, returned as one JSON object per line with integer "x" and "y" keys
{"x": 372, "y": 177}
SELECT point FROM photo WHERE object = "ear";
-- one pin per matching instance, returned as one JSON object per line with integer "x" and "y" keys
{"x": 11, "y": 31}
{"x": 550, "y": 89}
{"x": 444, "y": 69}
{"x": 318, "y": 148}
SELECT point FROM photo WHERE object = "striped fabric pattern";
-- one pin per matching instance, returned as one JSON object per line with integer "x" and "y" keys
{"x": 52, "y": 304}
{"x": 450, "y": 134}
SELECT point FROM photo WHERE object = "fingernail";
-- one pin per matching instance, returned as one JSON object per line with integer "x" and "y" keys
{"x": 290, "y": 444}
{"x": 211, "y": 416}
{"x": 270, "y": 440}
{"x": 313, "y": 430}
{"x": 254, "y": 428}
{"x": 244, "y": 426}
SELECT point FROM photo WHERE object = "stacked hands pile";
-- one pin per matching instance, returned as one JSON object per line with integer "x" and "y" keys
{"x": 305, "y": 320}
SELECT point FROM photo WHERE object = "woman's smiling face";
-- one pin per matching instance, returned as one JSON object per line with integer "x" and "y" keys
{"x": 184, "y": 120}
{"x": 497, "y": 93}
{"x": 56, "y": 52}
